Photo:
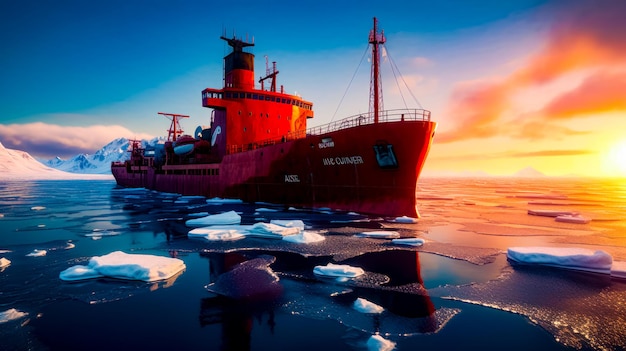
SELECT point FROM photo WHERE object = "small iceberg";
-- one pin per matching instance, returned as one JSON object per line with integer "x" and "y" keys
{"x": 338, "y": 270}
{"x": 11, "y": 314}
{"x": 38, "y": 208}
{"x": 378, "y": 343}
{"x": 211, "y": 234}
{"x": 37, "y": 253}
{"x": 304, "y": 238}
{"x": 573, "y": 258}
{"x": 226, "y": 218}
{"x": 382, "y": 234}
{"x": 125, "y": 266}
{"x": 365, "y": 306}
{"x": 409, "y": 241}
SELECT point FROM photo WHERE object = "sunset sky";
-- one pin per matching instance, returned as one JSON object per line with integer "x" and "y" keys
{"x": 512, "y": 84}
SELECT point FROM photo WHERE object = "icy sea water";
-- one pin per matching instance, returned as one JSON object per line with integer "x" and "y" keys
{"x": 457, "y": 291}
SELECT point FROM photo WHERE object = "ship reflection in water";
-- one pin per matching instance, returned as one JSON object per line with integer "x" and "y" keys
{"x": 247, "y": 288}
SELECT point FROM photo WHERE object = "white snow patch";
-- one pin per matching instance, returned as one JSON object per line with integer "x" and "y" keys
{"x": 11, "y": 314}
{"x": 338, "y": 270}
{"x": 365, "y": 306}
{"x": 126, "y": 266}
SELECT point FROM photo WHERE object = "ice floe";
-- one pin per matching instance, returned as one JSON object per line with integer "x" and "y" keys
{"x": 291, "y": 223}
{"x": 11, "y": 314}
{"x": 576, "y": 218}
{"x": 37, "y": 253}
{"x": 220, "y": 201}
{"x": 252, "y": 279}
{"x": 38, "y": 208}
{"x": 4, "y": 262}
{"x": 270, "y": 230}
{"x": 364, "y": 306}
{"x": 409, "y": 241}
{"x": 405, "y": 219}
{"x": 551, "y": 213}
{"x": 378, "y": 343}
{"x": 212, "y": 234}
{"x": 338, "y": 270}
{"x": 381, "y": 234}
{"x": 306, "y": 237}
{"x": 121, "y": 265}
{"x": 225, "y": 218}
{"x": 573, "y": 258}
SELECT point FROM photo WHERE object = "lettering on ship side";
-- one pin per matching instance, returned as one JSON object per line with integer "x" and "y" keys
{"x": 345, "y": 160}
{"x": 325, "y": 143}
{"x": 292, "y": 178}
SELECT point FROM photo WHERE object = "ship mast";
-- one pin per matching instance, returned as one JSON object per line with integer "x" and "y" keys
{"x": 376, "y": 93}
{"x": 175, "y": 129}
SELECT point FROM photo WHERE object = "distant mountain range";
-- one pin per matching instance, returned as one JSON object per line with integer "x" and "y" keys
{"x": 100, "y": 161}
{"x": 19, "y": 165}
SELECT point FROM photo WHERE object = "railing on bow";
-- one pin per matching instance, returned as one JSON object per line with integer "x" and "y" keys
{"x": 399, "y": 115}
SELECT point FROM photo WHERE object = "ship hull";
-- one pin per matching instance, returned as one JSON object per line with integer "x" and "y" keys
{"x": 369, "y": 169}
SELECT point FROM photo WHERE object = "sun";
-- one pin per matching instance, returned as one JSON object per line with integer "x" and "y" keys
{"x": 615, "y": 161}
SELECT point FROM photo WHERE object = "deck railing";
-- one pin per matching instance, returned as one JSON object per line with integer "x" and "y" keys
{"x": 349, "y": 122}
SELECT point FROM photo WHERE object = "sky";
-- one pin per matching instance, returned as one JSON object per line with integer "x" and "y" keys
{"x": 511, "y": 84}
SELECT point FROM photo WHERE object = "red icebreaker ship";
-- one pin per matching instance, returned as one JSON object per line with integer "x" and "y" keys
{"x": 258, "y": 148}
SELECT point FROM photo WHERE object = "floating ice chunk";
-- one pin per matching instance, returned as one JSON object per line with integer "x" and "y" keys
{"x": 405, "y": 219}
{"x": 291, "y": 223}
{"x": 364, "y": 306}
{"x": 378, "y": 343}
{"x": 573, "y": 258}
{"x": 338, "y": 270}
{"x": 572, "y": 219}
{"x": 11, "y": 314}
{"x": 618, "y": 269}
{"x": 100, "y": 233}
{"x": 304, "y": 238}
{"x": 551, "y": 213}
{"x": 383, "y": 234}
{"x": 211, "y": 234}
{"x": 409, "y": 241}
{"x": 230, "y": 217}
{"x": 220, "y": 201}
{"x": 37, "y": 253}
{"x": 269, "y": 230}
{"x": 199, "y": 214}
{"x": 4, "y": 262}
{"x": 126, "y": 266}
{"x": 69, "y": 245}
{"x": 38, "y": 208}
{"x": 264, "y": 209}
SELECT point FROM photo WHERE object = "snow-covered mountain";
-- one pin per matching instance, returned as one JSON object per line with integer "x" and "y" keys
{"x": 100, "y": 161}
{"x": 19, "y": 165}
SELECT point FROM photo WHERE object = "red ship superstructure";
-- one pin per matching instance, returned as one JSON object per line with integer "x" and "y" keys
{"x": 258, "y": 148}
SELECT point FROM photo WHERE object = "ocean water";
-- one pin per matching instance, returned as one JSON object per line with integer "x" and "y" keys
{"x": 457, "y": 291}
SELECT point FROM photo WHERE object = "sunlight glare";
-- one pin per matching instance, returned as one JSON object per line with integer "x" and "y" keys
{"x": 615, "y": 164}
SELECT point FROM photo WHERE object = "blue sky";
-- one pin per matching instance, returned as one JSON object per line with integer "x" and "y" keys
{"x": 87, "y": 72}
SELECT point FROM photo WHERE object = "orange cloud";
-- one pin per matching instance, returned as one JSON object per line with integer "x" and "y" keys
{"x": 601, "y": 92}
{"x": 585, "y": 35}
{"x": 50, "y": 140}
